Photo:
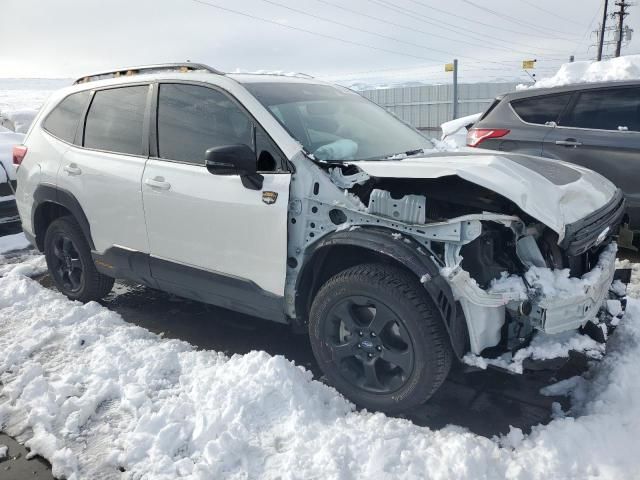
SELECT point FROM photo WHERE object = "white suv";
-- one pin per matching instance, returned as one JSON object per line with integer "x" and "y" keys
{"x": 303, "y": 203}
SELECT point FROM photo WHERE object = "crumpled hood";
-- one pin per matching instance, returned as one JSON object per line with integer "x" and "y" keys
{"x": 554, "y": 192}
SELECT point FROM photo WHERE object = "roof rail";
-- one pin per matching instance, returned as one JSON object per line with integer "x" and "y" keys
{"x": 275, "y": 74}
{"x": 162, "y": 67}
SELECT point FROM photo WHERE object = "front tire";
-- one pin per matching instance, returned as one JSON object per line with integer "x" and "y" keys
{"x": 70, "y": 263}
{"x": 379, "y": 338}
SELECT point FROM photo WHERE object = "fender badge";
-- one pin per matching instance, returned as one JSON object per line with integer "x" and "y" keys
{"x": 269, "y": 197}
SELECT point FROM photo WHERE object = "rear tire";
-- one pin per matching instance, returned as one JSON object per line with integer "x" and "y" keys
{"x": 70, "y": 263}
{"x": 379, "y": 338}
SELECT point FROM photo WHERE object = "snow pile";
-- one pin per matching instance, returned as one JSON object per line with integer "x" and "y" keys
{"x": 94, "y": 394}
{"x": 4, "y": 451}
{"x": 15, "y": 261}
{"x": 456, "y": 130}
{"x": 621, "y": 68}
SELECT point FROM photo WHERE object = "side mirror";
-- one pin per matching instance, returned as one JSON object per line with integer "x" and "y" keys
{"x": 231, "y": 160}
{"x": 236, "y": 159}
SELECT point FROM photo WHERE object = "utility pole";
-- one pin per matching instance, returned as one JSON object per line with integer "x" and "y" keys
{"x": 620, "y": 14}
{"x": 455, "y": 88}
{"x": 602, "y": 27}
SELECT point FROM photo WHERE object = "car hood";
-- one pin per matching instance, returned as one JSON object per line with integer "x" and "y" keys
{"x": 554, "y": 192}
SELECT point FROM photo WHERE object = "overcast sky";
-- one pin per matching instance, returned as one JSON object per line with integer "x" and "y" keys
{"x": 350, "y": 39}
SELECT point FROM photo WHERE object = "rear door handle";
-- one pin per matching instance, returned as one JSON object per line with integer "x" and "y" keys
{"x": 72, "y": 169}
{"x": 569, "y": 142}
{"x": 157, "y": 183}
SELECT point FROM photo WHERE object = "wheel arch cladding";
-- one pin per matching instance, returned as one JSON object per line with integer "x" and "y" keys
{"x": 50, "y": 203}
{"x": 344, "y": 249}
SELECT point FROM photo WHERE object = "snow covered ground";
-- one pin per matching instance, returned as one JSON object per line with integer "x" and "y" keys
{"x": 96, "y": 395}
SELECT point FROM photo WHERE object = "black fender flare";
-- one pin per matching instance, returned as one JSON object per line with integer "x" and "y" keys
{"x": 52, "y": 194}
{"x": 407, "y": 252}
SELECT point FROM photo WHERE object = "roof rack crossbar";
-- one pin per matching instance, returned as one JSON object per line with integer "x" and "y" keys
{"x": 128, "y": 71}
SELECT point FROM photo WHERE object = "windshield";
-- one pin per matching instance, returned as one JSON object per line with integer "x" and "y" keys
{"x": 337, "y": 124}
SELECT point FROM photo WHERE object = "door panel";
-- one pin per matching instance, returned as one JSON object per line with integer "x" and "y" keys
{"x": 614, "y": 155}
{"x": 105, "y": 175}
{"x": 107, "y": 186}
{"x": 601, "y": 131}
{"x": 213, "y": 223}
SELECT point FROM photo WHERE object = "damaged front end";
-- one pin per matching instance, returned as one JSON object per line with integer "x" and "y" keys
{"x": 510, "y": 275}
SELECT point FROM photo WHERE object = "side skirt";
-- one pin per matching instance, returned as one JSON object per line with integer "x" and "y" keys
{"x": 218, "y": 289}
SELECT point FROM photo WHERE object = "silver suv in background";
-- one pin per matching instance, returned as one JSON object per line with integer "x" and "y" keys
{"x": 594, "y": 125}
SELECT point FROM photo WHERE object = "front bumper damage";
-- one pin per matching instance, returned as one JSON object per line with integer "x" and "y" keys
{"x": 561, "y": 313}
{"x": 548, "y": 310}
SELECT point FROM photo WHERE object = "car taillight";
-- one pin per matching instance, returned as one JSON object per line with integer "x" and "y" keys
{"x": 19, "y": 151}
{"x": 478, "y": 135}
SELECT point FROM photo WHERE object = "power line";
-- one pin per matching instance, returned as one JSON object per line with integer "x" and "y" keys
{"x": 554, "y": 14}
{"x": 311, "y": 32}
{"x": 595, "y": 15}
{"x": 363, "y": 30}
{"x": 492, "y": 46}
{"x": 475, "y": 21}
{"x": 416, "y": 16}
{"x": 514, "y": 19}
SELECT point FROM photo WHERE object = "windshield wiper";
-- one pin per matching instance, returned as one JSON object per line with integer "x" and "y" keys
{"x": 409, "y": 153}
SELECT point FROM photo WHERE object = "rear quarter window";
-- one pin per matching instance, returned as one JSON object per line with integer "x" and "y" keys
{"x": 541, "y": 110}
{"x": 63, "y": 120}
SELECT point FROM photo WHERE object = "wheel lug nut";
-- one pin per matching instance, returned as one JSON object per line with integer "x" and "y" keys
{"x": 373, "y": 334}
{"x": 361, "y": 333}
{"x": 370, "y": 355}
{"x": 379, "y": 348}
{"x": 359, "y": 345}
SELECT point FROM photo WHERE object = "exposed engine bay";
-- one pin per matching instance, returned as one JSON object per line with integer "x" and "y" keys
{"x": 476, "y": 237}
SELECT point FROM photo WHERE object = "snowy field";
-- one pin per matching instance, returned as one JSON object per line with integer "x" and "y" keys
{"x": 101, "y": 398}
{"x": 97, "y": 396}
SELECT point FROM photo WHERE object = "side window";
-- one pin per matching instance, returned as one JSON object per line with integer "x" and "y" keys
{"x": 615, "y": 109}
{"x": 541, "y": 110}
{"x": 63, "y": 119}
{"x": 115, "y": 120}
{"x": 192, "y": 119}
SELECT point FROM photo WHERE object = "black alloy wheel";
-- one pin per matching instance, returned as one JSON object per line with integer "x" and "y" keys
{"x": 67, "y": 267}
{"x": 70, "y": 262}
{"x": 378, "y": 337}
{"x": 370, "y": 345}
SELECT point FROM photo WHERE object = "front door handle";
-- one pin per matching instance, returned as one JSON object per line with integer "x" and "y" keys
{"x": 569, "y": 142}
{"x": 158, "y": 183}
{"x": 72, "y": 169}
